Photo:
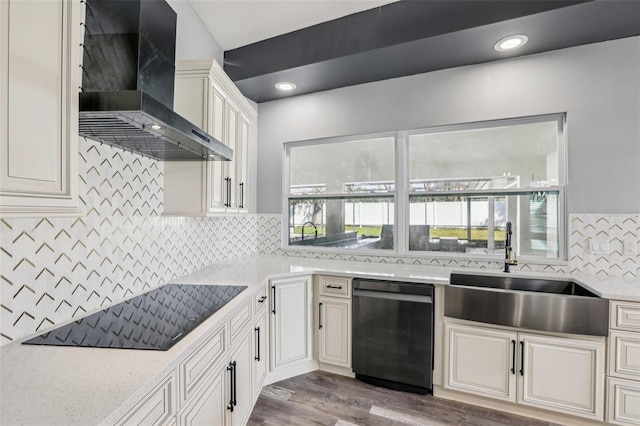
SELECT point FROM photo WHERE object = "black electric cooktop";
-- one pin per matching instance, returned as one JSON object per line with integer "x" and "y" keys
{"x": 155, "y": 320}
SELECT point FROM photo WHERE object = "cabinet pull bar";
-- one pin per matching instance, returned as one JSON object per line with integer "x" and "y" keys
{"x": 513, "y": 356}
{"x": 257, "y": 329}
{"x": 235, "y": 384}
{"x": 337, "y": 287}
{"x": 320, "y": 315}
{"x": 230, "y": 369}
{"x": 242, "y": 195}
{"x": 274, "y": 299}
{"x": 522, "y": 357}
{"x": 262, "y": 299}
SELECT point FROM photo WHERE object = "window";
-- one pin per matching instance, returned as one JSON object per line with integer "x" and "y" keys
{"x": 342, "y": 193}
{"x": 455, "y": 190}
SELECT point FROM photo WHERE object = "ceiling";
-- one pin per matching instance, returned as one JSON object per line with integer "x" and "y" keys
{"x": 323, "y": 44}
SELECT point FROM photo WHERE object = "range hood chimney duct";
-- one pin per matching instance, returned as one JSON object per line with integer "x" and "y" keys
{"x": 128, "y": 83}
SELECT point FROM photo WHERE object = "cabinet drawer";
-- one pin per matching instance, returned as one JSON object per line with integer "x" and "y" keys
{"x": 624, "y": 400}
{"x": 192, "y": 370}
{"x": 624, "y": 355}
{"x": 239, "y": 321}
{"x": 157, "y": 408}
{"x": 625, "y": 316}
{"x": 260, "y": 299}
{"x": 335, "y": 286}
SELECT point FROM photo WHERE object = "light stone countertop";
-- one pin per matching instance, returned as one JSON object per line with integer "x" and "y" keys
{"x": 83, "y": 386}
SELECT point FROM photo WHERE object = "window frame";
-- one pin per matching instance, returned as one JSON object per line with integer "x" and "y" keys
{"x": 401, "y": 195}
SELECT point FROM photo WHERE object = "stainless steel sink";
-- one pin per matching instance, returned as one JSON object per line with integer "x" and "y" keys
{"x": 533, "y": 303}
{"x": 509, "y": 282}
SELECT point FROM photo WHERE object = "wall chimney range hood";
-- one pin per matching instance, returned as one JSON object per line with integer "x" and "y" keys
{"x": 128, "y": 82}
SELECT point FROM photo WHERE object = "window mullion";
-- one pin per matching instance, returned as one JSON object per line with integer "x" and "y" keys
{"x": 402, "y": 198}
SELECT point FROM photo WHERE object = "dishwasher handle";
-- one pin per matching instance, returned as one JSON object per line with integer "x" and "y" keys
{"x": 404, "y": 297}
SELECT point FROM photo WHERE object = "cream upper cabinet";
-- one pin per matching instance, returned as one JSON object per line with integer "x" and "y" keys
{"x": 39, "y": 78}
{"x": 290, "y": 321}
{"x": 206, "y": 96}
{"x": 563, "y": 374}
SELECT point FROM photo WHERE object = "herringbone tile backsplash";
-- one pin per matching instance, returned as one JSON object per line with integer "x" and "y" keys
{"x": 56, "y": 269}
{"x": 615, "y": 228}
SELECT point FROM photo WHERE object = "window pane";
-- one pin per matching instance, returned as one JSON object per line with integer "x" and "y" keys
{"x": 475, "y": 224}
{"x": 507, "y": 156}
{"x": 361, "y": 166}
{"x": 356, "y": 223}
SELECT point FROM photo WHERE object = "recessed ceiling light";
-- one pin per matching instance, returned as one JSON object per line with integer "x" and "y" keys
{"x": 285, "y": 86}
{"x": 156, "y": 126}
{"x": 511, "y": 42}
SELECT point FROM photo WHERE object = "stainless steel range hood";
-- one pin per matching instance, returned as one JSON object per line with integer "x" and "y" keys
{"x": 128, "y": 82}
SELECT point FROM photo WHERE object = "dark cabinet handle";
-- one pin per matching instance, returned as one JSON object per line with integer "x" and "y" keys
{"x": 513, "y": 356}
{"x": 242, "y": 195}
{"x": 337, "y": 287}
{"x": 262, "y": 299}
{"x": 274, "y": 299}
{"x": 257, "y": 330}
{"x": 228, "y": 184}
{"x": 232, "y": 376}
{"x": 522, "y": 357}
{"x": 320, "y": 315}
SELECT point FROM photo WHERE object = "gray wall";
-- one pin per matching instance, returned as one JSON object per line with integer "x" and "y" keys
{"x": 598, "y": 86}
{"x": 193, "y": 40}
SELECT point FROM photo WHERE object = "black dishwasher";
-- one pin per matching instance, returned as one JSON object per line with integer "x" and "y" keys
{"x": 393, "y": 334}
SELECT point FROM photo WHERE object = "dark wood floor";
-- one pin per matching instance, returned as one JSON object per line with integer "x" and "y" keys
{"x": 322, "y": 398}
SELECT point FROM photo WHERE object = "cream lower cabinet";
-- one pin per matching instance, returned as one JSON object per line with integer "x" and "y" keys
{"x": 623, "y": 383}
{"x": 334, "y": 331}
{"x": 226, "y": 395}
{"x": 39, "y": 107}
{"x": 562, "y": 374}
{"x": 290, "y": 321}
{"x": 334, "y": 320}
{"x": 261, "y": 350}
{"x": 209, "y": 407}
{"x": 240, "y": 391}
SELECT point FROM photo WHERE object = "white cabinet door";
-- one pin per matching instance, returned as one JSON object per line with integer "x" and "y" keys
{"x": 216, "y": 169}
{"x": 242, "y": 164}
{"x": 624, "y": 354}
{"x": 157, "y": 408}
{"x": 210, "y": 406}
{"x": 260, "y": 351}
{"x": 562, "y": 374}
{"x": 243, "y": 383}
{"x": 624, "y": 402}
{"x": 39, "y": 106}
{"x": 233, "y": 122}
{"x": 334, "y": 330}
{"x": 290, "y": 321}
{"x": 481, "y": 361}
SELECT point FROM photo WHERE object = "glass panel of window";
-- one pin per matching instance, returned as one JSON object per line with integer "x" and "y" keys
{"x": 475, "y": 224}
{"x": 502, "y": 156}
{"x": 353, "y": 166}
{"x": 348, "y": 223}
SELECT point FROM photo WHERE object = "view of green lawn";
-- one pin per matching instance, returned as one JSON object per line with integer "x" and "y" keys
{"x": 434, "y": 232}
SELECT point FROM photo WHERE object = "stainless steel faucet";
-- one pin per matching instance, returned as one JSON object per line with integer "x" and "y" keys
{"x": 509, "y": 254}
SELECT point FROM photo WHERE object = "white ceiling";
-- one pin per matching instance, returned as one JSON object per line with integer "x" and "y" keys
{"x": 236, "y": 23}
